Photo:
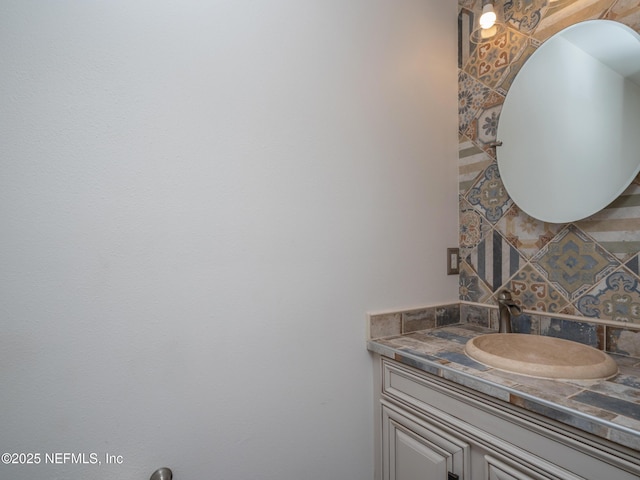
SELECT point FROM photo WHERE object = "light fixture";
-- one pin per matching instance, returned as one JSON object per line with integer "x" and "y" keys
{"x": 488, "y": 25}
{"x": 488, "y": 17}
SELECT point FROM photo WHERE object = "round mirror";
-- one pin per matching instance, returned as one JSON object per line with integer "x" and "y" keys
{"x": 570, "y": 124}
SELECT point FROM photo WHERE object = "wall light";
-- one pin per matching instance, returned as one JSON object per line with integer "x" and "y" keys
{"x": 488, "y": 17}
{"x": 489, "y": 26}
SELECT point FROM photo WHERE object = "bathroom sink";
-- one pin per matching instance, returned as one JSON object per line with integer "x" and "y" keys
{"x": 540, "y": 356}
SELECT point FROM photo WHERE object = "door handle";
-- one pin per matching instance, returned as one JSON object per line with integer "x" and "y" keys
{"x": 163, "y": 473}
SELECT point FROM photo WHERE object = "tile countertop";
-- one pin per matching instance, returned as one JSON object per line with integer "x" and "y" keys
{"x": 606, "y": 408}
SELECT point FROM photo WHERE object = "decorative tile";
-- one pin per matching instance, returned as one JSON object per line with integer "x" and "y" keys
{"x": 495, "y": 260}
{"x": 530, "y": 47}
{"x": 572, "y": 262}
{"x": 523, "y": 15}
{"x": 582, "y": 332}
{"x": 489, "y": 196}
{"x": 469, "y": 4}
{"x": 532, "y": 292}
{"x": 623, "y": 342}
{"x": 471, "y": 288}
{"x": 471, "y": 97}
{"x": 473, "y": 161}
{"x": 617, "y": 227}
{"x": 484, "y": 128}
{"x": 569, "y": 309}
{"x": 466, "y": 23}
{"x": 633, "y": 265}
{"x": 526, "y": 233}
{"x": 491, "y": 60}
{"x": 562, "y": 13}
{"x": 627, "y": 12}
{"x": 617, "y": 297}
{"x": 473, "y": 226}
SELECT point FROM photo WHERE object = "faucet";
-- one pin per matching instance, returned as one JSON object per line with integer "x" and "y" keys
{"x": 507, "y": 307}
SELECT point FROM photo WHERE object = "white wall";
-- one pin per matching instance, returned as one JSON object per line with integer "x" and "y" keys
{"x": 199, "y": 202}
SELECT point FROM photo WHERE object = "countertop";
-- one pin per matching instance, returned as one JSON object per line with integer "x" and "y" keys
{"x": 606, "y": 408}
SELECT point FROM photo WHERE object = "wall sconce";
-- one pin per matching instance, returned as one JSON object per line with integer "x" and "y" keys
{"x": 488, "y": 17}
{"x": 488, "y": 25}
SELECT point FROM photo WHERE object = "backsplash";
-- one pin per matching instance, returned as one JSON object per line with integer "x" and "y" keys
{"x": 583, "y": 276}
{"x": 618, "y": 339}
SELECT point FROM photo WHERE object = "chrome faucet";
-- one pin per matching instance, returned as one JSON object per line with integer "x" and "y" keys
{"x": 506, "y": 307}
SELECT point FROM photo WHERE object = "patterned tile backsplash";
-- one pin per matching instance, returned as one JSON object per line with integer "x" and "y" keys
{"x": 586, "y": 272}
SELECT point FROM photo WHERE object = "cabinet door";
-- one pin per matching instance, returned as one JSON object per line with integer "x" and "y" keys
{"x": 416, "y": 450}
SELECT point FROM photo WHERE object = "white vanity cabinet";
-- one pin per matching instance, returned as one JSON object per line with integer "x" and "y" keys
{"x": 418, "y": 450}
{"x": 429, "y": 428}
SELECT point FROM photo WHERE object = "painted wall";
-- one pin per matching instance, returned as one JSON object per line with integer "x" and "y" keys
{"x": 199, "y": 202}
{"x": 587, "y": 269}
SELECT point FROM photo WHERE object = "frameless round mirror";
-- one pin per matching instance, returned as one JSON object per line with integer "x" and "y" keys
{"x": 570, "y": 124}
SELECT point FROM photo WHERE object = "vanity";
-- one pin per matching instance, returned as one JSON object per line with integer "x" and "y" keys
{"x": 566, "y": 146}
{"x": 441, "y": 415}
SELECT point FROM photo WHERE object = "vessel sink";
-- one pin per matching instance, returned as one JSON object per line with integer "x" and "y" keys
{"x": 540, "y": 356}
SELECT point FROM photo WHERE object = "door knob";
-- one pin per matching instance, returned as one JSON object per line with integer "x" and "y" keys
{"x": 163, "y": 473}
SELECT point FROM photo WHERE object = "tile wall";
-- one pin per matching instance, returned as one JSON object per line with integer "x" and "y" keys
{"x": 582, "y": 278}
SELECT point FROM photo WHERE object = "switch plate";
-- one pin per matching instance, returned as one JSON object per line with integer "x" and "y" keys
{"x": 453, "y": 261}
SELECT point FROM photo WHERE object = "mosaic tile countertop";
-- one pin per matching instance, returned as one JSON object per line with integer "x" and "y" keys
{"x": 606, "y": 408}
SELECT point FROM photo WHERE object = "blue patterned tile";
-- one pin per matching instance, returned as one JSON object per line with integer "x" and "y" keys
{"x": 470, "y": 287}
{"x": 495, "y": 260}
{"x": 489, "y": 196}
{"x": 617, "y": 298}
{"x": 572, "y": 262}
{"x": 632, "y": 264}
